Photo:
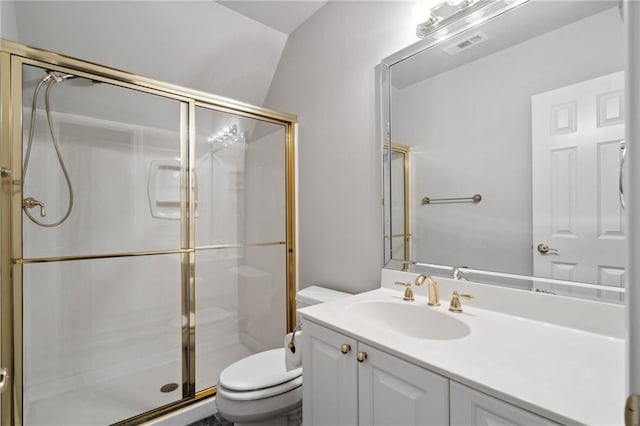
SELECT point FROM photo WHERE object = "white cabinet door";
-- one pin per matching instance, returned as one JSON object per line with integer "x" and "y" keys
{"x": 395, "y": 392}
{"x": 470, "y": 407}
{"x": 330, "y": 377}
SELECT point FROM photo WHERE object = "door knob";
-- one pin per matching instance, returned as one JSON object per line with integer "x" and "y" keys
{"x": 345, "y": 348}
{"x": 361, "y": 356}
{"x": 545, "y": 249}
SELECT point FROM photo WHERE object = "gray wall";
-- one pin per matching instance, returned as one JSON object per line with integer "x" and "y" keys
{"x": 327, "y": 76}
{"x": 8, "y": 27}
{"x": 470, "y": 132}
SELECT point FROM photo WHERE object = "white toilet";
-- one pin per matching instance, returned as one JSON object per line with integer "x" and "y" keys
{"x": 258, "y": 390}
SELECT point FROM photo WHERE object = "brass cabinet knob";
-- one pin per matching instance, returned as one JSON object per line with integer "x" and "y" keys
{"x": 632, "y": 410}
{"x": 345, "y": 348}
{"x": 361, "y": 356}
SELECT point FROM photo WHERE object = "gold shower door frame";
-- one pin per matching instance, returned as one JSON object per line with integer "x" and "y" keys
{"x": 12, "y": 58}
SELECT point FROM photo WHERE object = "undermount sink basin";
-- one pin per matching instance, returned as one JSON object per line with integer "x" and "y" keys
{"x": 410, "y": 319}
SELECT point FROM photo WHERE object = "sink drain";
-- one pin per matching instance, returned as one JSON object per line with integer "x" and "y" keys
{"x": 169, "y": 387}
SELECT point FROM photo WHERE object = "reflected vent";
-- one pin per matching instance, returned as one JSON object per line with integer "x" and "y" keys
{"x": 467, "y": 43}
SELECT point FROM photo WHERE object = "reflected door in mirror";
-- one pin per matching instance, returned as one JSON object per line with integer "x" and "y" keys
{"x": 578, "y": 227}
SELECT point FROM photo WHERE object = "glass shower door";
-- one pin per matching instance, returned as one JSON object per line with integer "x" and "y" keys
{"x": 240, "y": 234}
{"x": 103, "y": 168}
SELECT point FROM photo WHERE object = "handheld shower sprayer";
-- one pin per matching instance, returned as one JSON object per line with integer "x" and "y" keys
{"x": 49, "y": 80}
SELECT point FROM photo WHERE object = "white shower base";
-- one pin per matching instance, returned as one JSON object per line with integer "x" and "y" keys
{"x": 123, "y": 397}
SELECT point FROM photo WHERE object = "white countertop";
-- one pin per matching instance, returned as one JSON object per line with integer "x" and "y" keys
{"x": 567, "y": 375}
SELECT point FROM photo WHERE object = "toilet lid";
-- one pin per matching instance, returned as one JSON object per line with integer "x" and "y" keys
{"x": 258, "y": 371}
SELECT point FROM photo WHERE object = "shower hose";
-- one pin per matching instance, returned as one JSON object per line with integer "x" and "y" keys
{"x": 50, "y": 80}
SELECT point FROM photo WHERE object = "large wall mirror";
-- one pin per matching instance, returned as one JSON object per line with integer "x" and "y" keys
{"x": 514, "y": 128}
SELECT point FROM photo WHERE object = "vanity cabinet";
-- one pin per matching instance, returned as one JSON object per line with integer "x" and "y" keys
{"x": 392, "y": 391}
{"x": 346, "y": 382}
{"x": 363, "y": 385}
{"x": 470, "y": 407}
{"x": 330, "y": 377}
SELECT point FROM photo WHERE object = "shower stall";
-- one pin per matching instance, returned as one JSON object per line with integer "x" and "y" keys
{"x": 147, "y": 240}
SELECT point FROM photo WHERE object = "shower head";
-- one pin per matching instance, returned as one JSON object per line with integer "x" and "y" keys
{"x": 57, "y": 76}
{"x": 60, "y": 77}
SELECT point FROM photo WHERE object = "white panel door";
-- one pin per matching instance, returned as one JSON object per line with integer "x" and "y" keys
{"x": 576, "y": 135}
{"x": 472, "y": 408}
{"x": 330, "y": 377}
{"x": 395, "y": 392}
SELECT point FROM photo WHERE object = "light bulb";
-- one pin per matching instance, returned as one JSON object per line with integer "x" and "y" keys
{"x": 422, "y": 11}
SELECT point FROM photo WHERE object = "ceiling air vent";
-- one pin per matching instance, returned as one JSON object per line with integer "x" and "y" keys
{"x": 466, "y": 43}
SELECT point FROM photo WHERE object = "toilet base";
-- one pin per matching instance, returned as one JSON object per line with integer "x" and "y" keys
{"x": 280, "y": 410}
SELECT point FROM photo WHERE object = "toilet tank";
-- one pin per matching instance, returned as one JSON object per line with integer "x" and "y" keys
{"x": 315, "y": 294}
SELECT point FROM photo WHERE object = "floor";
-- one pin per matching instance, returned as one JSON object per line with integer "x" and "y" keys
{"x": 215, "y": 420}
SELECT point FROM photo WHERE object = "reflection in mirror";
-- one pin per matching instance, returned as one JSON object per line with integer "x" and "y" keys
{"x": 399, "y": 217}
{"x": 526, "y": 110}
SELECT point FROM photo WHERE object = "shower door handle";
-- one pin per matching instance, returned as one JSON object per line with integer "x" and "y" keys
{"x": 4, "y": 379}
{"x": 623, "y": 154}
{"x": 5, "y": 172}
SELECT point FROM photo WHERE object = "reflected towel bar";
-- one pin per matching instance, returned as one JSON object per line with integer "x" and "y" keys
{"x": 475, "y": 199}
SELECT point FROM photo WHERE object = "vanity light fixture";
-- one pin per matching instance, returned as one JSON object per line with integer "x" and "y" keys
{"x": 441, "y": 34}
{"x": 423, "y": 13}
{"x": 427, "y": 13}
{"x": 430, "y": 17}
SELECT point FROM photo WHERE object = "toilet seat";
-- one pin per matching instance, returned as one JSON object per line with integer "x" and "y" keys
{"x": 260, "y": 393}
{"x": 258, "y": 376}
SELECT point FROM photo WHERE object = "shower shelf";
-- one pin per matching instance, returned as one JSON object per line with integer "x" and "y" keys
{"x": 164, "y": 189}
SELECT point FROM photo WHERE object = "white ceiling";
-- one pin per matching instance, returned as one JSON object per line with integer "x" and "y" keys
{"x": 283, "y": 16}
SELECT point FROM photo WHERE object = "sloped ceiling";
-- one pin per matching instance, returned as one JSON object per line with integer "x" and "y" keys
{"x": 284, "y": 16}
{"x": 198, "y": 44}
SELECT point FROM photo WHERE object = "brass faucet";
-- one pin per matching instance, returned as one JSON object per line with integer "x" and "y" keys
{"x": 432, "y": 287}
{"x": 455, "y": 305}
{"x": 29, "y": 203}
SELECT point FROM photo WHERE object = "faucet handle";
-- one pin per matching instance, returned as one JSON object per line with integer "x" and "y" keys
{"x": 31, "y": 202}
{"x": 455, "y": 305}
{"x": 408, "y": 291}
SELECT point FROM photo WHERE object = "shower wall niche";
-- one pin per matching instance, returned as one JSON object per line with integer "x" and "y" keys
{"x": 175, "y": 254}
